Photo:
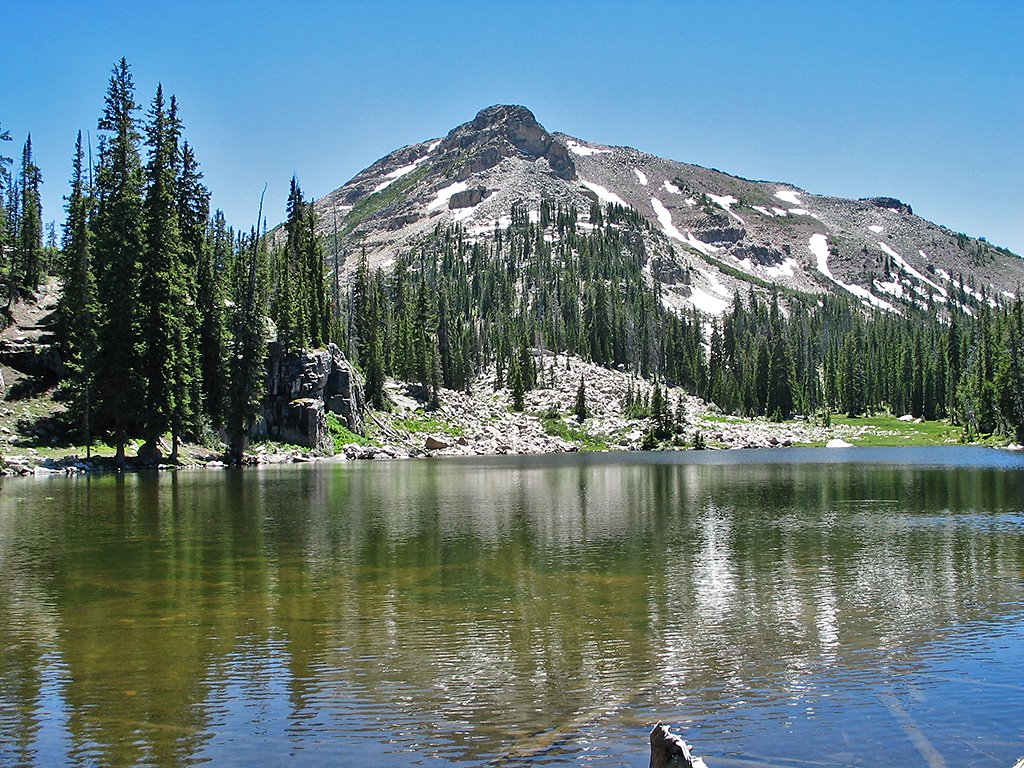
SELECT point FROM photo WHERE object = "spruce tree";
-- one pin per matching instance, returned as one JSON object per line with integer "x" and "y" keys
{"x": 28, "y": 269}
{"x": 248, "y": 347}
{"x": 580, "y": 407}
{"x": 77, "y": 309}
{"x": 164, "y": 287}
{"x": 119, "y": 246}
{"x": 5, "y": 188}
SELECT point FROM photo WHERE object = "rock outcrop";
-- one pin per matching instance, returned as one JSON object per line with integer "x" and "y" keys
{"x": 505, "y": 131}
{"x": 300, "y": 390}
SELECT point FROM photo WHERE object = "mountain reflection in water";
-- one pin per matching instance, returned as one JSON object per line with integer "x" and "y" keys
{"x": 540, "y": 610}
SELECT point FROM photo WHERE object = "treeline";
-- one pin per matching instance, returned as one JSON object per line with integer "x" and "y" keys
{"x": 444, "y": 314}
{"x": 166, "y": 311}
{"x": 27, "y": 250}
{"x": 161, "y": 317}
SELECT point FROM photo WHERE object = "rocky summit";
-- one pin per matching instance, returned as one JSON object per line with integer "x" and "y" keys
{"x": 708, "y": 234}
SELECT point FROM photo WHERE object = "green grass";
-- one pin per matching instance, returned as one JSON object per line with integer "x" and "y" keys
{"x": 558, "y": 427}
{"x": 716, "y": 418}
{"x": 372, "y": 203}
{"x": 889, "y": 430}
{"x": 420, "y": 422}
{"x": 342, "y": 435}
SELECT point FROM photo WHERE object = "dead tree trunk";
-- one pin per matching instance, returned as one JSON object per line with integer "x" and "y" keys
{"x": 670, "y": 751}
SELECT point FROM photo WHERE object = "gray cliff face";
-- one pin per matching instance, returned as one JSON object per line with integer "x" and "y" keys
{"x": 301, "y": 388}
{"x": 504, "y": 131}
{"x": 722, "y": 232}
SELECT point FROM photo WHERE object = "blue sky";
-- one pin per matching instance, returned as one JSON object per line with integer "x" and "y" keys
{"x": 923, "y": 101}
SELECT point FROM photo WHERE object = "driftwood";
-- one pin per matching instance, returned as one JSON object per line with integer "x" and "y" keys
{"x": 670, "y": 751}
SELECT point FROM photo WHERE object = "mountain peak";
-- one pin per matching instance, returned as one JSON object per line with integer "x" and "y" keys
{"x": 507, "y": 130}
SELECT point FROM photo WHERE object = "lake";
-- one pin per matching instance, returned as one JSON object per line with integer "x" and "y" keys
{"x": 785, "y": 608}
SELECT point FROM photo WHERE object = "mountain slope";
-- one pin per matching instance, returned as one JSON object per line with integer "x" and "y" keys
{"x": 709, "y": 234}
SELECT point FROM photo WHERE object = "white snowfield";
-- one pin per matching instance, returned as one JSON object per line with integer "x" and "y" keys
{"x": 603, "y": 193}
{"x": 641, "y": 176}
{"x": 445, "y": 194}
{"x": 706, "y": 303}
{"x": 789, "y": 196}
{"x": 818, "y": 246}
{"x": 726, "y": 202}
{"x": 787, "y": 268}
{"x": 665, "y": 219}
{"x": 876, "y": 229}
{"x": 584, "y": 151}
{"x": 671, "y": 188}
{"x": 398, "y": 173}
{"x": 909, "y": 269}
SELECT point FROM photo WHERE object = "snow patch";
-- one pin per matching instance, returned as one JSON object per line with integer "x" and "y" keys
{"x": 725, "y": 202}
{"x": 895, "y": 288}
{"x": 604, "y": 194}
{"x": 818, "y": 246}
{"x": 789, "y": 196}
{"x": 671, "y": 188}
{"x": 445, "y": 194}
{"x": 641, "y": 176}
{"x": 716, "y": 284}
{"x": 779, "y": 211}
{"x": 838, "y": 442}
{"x": 700, "y": 245}
{"x": 690, "y": 202}
{"x": 705, "y": 302}
{"x": 763, "y": 211}
{"x": 398, "y": 173}
{"x": 665, "y": 219}
{"x": 464, "y": 213}
{"x": 786, "y": 269}
{"x": 582, "y": 150}
{"x": 800, "y": 212}
{"x": 909, "y": 269}
{"x": 876, "y": 229}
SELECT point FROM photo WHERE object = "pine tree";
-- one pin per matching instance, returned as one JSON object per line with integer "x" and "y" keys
{"x": 28, "y": 269}
{"x": 580, "y": 407}
{"x": 77, "y": 307}
{"x": 248, "y": 344}
{"x": 5, "y": 188}
{"x": 164, "y": 287}
{"x": 118, "y": 249}
{"x": 205, "y": 250}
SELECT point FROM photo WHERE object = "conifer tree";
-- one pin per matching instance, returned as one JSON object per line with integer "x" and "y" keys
{"x": 580, "y": 407}
{"x": 77, "y": 307}
{"x": 28, "y": 269}
{"x": 206, "y": 246}
{"x": 248, "y": 344}
{"x": 164, "y": 296}
{"x": 118, "y": 249}
{"x": 5, "y": 188}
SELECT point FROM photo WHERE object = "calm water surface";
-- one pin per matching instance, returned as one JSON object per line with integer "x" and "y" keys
{"x": 781, "y": 608}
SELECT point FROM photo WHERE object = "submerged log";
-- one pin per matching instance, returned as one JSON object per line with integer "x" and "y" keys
{"x": 670, "y": 751}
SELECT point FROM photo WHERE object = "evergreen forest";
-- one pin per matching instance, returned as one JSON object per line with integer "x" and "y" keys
{"x": 166, "y": 309}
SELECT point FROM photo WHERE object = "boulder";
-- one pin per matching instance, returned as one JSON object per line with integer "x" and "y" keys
{"x": 467, "y": 198}
{"x": 435, "y": 443}
{"x": 150, "y": 454}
